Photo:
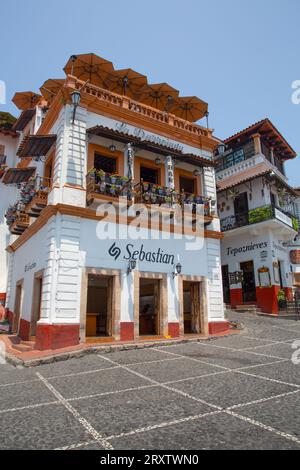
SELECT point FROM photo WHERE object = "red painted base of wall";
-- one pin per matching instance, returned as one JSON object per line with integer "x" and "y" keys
{"x": 56, "y": 336}
{"x": 289, "y": 293}
{"x": 10, "y": 317}
{"x": 24, "y": 329}
{"x": 2, "y": 305}
{"x": 126, "y": 331}
{"x": 173, "y": 330}
{"x": 218, "y": 327}
{"x": 236, "y": 297}
{"x": 267, "y": 299}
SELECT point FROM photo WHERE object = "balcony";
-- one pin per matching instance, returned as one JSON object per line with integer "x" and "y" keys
{"x": 108, "y": 188}
{"x": 3, "y": 165}
{"x": 34, "y": 195}
{"x": 138, "y": 110}
{"x": 260, "y": 214}
{"x": 19, "y": 223}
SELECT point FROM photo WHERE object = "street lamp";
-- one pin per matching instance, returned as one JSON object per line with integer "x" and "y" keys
{"x": 75, "y": 95}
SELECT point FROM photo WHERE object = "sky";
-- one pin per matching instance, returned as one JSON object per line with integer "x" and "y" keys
{"x": 240, "y": 56}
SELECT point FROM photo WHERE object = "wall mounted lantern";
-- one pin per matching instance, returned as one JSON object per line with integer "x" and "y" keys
{"x": 75, "y": 95}
{"x": 221, "y": 148}
{"x": 177, "y": 270}
{"x": 131, "y": 266}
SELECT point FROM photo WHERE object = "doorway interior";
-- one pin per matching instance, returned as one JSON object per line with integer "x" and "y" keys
{"x": 226, "y": 284}
{"x": 36, "y": 305}
{"x": 18, "y": 306}
{"x": 191, "y": 307}
{"x": 149, "y": 307}
{"x": 248, "y": 284}
{"x": 99, "y": 306}
{"x": 241, "y": 210}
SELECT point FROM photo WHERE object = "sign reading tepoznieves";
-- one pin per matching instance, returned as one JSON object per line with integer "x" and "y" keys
{"x": 158, "y": 256}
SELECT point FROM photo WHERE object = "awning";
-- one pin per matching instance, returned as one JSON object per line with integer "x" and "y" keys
{"x": 18, "y": 175}
{"x": 36, "y": 145}
{"x": 23, "y": 119}
{"x": 151, "y": 146}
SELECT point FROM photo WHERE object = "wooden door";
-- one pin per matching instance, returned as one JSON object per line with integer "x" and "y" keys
{"x": 18, "y": 303}
{"x": 109, "y": 310}
{"x": 156, "y": 297}
{"x": 195, "y": 307}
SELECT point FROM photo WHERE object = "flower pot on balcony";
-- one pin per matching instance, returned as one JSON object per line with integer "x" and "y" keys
{"x": 102, "y": 187}
{"x": 113, "y": 190}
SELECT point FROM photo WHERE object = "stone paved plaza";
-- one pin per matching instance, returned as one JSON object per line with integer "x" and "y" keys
{"x": 236, "y": 392}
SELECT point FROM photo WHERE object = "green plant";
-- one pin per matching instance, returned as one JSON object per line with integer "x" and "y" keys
{"x": 281, "y": 295}
{"x": 260, "y": 214}
{"x": 295, "y": 224}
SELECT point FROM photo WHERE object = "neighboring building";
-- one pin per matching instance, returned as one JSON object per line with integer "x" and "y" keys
{"x": 8, "y": 146}
{"x": 257, "y": 215}
{"x": 113, "y": 135}
{"x": 294, "y": 248}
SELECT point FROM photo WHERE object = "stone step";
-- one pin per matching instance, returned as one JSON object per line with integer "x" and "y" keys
{"x": 22, "y": 347}
{"x": 247, "y": 308}
{"x": 30, "y": 344}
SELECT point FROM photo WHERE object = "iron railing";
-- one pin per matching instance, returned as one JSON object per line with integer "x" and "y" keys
{"x": 257, "y": 215}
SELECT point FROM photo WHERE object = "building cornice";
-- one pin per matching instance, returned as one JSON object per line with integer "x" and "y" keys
{"x": 85, "y": 213}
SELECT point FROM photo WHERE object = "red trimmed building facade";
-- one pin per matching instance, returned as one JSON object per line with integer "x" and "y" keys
{"x": 76, "y": 271}
{"x": 258, "y": 218}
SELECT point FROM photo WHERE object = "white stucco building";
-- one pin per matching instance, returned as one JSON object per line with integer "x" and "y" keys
{"x": 8, "y": 146}
{"x": 82, "y": 266}
{"x": 256, "y": 206}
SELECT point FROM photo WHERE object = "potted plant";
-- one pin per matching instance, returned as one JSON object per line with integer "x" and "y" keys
{"x": 114, "y": 178}
{"x": 123, "y": 180}
{"x": 160, "y": 190}
{"x": 146, "y": 186}
{"x": 113, "y": 189}
{"x": 281, "y": 299}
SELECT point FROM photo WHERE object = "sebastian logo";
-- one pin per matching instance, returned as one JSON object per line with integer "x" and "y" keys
{"x": 114, "y": 251}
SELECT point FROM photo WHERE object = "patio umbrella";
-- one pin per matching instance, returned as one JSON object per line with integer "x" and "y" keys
{"x": 26, "y": 99}
{"x": 51, "y": 87}
{"x": 158, "y": 95}
{"x": 127, "y": 82}
{"x": 189, "y": 108}
{"x": 89, "y": 67}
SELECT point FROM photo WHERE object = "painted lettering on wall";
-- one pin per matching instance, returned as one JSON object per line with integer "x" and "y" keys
{"x": 141, "y": 134}
{"x": 29, "y": 267}
{"x": 246, "y": 248}
{"x": 140, "y": 254}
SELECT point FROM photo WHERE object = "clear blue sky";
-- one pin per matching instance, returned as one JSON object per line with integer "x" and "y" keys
{"x": 240, "y": 56}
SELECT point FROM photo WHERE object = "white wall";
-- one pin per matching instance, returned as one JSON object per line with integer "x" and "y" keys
{"x": 27, "y": 260}
{"x": 8, "y": 195}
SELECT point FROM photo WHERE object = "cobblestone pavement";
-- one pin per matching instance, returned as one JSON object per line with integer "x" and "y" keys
{"x": 237, "y": 392}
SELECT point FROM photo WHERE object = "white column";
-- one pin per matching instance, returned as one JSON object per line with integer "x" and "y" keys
{"x": 169, "y": 172}
{"x": 173, "y": 299}
{"x": 127, "y": 297}
{"x": 70, "y": 164}
{"x": 129, "y": 161}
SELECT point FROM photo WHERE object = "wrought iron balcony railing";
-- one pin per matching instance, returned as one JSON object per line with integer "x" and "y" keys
{"x": 257, "y": 215}
{"x": 114, "y": 186}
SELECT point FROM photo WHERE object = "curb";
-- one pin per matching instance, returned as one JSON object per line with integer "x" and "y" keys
{"x": 17, "y": 362}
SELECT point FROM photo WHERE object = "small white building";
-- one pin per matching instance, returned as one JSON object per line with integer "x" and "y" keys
{"x": 258, "y": 218}
{"x": 87, "y": 267}
{"x": 8, "y": 146}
